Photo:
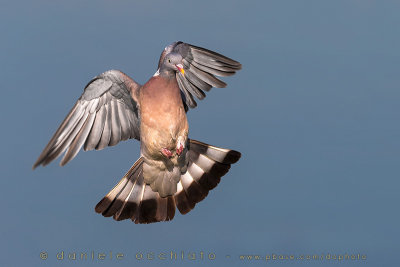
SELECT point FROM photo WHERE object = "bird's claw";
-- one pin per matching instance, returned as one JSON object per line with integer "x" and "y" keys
{"x": 179, "y": 147}
{"x": 166, "y": 152}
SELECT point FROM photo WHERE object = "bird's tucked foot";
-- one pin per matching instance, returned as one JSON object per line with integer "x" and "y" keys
{"x": 180, "y": 145}
{"x": 166, "y": 152}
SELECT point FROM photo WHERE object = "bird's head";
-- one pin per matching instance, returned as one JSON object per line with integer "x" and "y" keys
{"x": 173, "y": 62}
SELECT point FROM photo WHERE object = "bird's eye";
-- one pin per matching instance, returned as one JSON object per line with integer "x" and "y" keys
{"x": 169, "y": 60}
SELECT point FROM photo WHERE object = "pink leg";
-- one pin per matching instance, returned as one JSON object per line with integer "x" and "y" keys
{"x": 180, "y": 145}
{"x": 166, "y": 152}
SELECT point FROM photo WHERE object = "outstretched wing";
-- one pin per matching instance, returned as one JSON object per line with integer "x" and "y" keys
{"x": 106, "y": 113}
{"x": 200, "y": 68}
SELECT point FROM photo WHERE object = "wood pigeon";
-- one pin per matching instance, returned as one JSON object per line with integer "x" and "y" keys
{"x": 173, "y": 170}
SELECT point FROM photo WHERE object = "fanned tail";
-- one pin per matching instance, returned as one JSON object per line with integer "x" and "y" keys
{"x": 207, "y": 164}
{"x": 132, "y": 199}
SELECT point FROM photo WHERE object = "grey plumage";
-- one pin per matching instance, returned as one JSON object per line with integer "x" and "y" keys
{"x": 106, "y": 133}
{"x": 123, "y": 119}
{"x": 110, "y": 95}
{"x": 207, "y": 164}
{"x": 69, "y": 138}
{"x": 98, "y": 106}
{"x": 131, "y": 204}
{"x": 196, "y": 81}
{"x": 191, "y": 87}
{"x": 148, "y": 206}
{"x": 187, "y": 97}
{"x": 97, "y": 129}
{"x": 115, "y": 124}
{"x": 134, "y": 199}
{"x": 80, "y": 139}
{"x": 135, "y": 179}
{"x": 200, "y": 66}
{"x": 182, "y": 202}
{"x": 173, "y": 171}
{"x": 204, "y": 76}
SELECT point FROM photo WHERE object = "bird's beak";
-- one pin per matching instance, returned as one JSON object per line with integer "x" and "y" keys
{"x": 180, "y": 68}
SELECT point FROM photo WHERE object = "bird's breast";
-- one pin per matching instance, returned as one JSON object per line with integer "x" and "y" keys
{"x": 163, "y": 117}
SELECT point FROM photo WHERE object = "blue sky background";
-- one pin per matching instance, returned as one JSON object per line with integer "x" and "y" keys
{"x": 315, "y": 113}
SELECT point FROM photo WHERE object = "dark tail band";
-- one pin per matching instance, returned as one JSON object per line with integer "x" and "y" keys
{"x": 132, "y": 199}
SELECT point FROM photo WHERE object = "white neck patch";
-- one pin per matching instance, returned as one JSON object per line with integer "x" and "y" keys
{"x": 157, "y": 73}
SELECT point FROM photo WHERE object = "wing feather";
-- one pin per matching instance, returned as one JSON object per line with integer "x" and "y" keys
{"x": 123, "y": 118}
{"x": 106, "y": 134}
{"x": 200, "y": 68}
{"x": 79, "y": 140}
{"x": 115, "y": 124}
{"x": 97, "y": 129}
{"x": 105, "y": 114}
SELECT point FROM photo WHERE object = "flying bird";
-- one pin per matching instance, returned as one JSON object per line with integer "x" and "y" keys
{"x": 173, "y": 170}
